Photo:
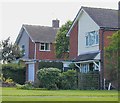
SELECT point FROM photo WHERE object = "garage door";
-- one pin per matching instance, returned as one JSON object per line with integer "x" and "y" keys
{"x": 31, "y": 72}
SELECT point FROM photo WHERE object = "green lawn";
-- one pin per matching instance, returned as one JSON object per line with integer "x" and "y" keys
{"x": 13, "y": 94}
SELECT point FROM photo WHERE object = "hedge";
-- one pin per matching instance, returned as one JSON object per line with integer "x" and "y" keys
{"x": 68, "y": 80}
{"x": 15, "y": 72}
{"x": 53, "y": 64}
{"x": 52, "y": 78}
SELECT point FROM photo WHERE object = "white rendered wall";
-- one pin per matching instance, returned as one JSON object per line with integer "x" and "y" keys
{"x": 24, "y": 41}
{"x": 85, "y": 24}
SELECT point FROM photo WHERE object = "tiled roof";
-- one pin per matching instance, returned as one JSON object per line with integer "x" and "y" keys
{"x": 103, "y": 17}
{"x": 41, "y": 33}
{"x": 85, "y": 57}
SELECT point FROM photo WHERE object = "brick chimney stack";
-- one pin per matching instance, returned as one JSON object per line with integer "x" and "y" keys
{"x": 55, "y": 23}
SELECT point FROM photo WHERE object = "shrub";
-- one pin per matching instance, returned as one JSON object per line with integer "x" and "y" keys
{"x": 68, "y": 80}
{"x": 8, "y": 83}
{"x": 28, "y": 86}
{"x": 15, "y": 72}
{"x": 49, "y": 77}
{"x": 53, "y": 64}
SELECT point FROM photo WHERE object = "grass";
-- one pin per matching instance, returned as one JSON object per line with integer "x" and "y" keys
{"x": 10, "y": 94}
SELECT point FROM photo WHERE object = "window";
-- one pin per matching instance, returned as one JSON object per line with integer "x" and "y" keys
{"x": 92, "y": 38}
{"x": 85, "y": 68}
{"x": 44, "y": 46}
{"x": 23, "y": 49}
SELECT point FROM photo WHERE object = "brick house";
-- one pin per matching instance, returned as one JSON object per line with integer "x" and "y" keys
{"x": 88, "y": 37}
{"x": 38, "y": 44}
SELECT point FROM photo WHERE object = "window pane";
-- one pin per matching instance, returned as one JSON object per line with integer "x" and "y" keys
{"x": 86, "y": 40}
{"x": 47, "y": 46}
{"x": 97, "y": 39}
{"x": 42, "y": 46}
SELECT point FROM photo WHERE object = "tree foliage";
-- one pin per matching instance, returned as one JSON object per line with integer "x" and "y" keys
{"x": 62, "y": 41}
{"x": 112, "y": 56}
{"x": 9, "y": 51}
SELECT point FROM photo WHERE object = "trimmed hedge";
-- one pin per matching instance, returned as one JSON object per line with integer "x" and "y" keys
{"x": 15, "y": 72}
{"x": 52, "y": 64}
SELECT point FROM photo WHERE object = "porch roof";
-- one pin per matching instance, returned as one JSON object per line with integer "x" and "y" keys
{"x": 86, "y": 56}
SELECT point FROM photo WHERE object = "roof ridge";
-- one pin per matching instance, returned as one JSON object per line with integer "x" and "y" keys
{"x": 98, "y": 8}
{"x": 34, "y": 25}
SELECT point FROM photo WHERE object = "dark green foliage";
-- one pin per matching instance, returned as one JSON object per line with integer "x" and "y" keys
{"x": 9, "y": 51}
{"x": 88, "y": 80}
{"x": 15, "y": 72}
{"x": 53, "y": 64}
{"x": 112, "y": 58}
{"x": 68, "y": 80}
{"x": 62, "y": 41}
{"x": 49, "y": 77}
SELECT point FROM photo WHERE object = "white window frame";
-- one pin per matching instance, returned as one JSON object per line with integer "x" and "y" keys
{"x": 44, "y": 44}
{"x": 91, "y": 38}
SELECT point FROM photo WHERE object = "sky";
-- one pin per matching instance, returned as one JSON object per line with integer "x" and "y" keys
{"x": 15, "y": 13}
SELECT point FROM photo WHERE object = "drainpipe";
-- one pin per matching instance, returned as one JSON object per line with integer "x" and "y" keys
{"x": 102, "y": 60}
{"x": 35, "y": 52}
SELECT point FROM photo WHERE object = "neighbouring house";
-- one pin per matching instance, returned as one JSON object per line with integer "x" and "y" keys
{"x": 38, "y": 44}
{"x": 88, "y": 38}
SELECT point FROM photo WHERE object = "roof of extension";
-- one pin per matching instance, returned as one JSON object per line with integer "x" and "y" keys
{"x": 86, "y": 56}
{"x": 40, "y": 33}
{"x": 103, "y": 17}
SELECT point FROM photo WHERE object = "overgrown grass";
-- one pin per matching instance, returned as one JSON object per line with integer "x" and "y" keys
{"x": 10, "y": 94}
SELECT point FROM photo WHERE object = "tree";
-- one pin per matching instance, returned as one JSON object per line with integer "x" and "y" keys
{"x": 62, "y": 41}
{"x": 9, "y": 51}
{"x": 112, "y": 56}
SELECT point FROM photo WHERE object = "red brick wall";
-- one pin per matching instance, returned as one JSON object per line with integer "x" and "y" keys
{"x": 45, "y": 55}
{"x": 31, "y": 49}
{"x": 74, "y": 42}
{"x": 106, "y": 43}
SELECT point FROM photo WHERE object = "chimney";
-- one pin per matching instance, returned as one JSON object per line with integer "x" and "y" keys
{"x": 55, "y": 23}
{"x": 119, "y": 5}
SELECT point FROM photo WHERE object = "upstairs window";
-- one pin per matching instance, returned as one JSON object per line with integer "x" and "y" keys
{"x": 23, "y": 49}
{"x": 92, "y": 38}
{"x": 44, "y": 47}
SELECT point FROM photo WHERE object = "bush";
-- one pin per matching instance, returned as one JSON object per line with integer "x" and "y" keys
{"x": 49, "y": 77}
{"x": 53, "y": 64}
{"x": 8, "y": 83}
{"x": 15, "y": 72}
{"x": 28, "y": 86}
{"x": 68, "y": 80}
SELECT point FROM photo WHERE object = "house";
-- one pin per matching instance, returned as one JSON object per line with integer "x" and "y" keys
{"x": 38, "y": 44}
{"x": 88, "y": 37}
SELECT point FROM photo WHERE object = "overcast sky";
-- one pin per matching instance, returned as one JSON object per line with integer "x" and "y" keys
{"x": 13, "y": 14}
